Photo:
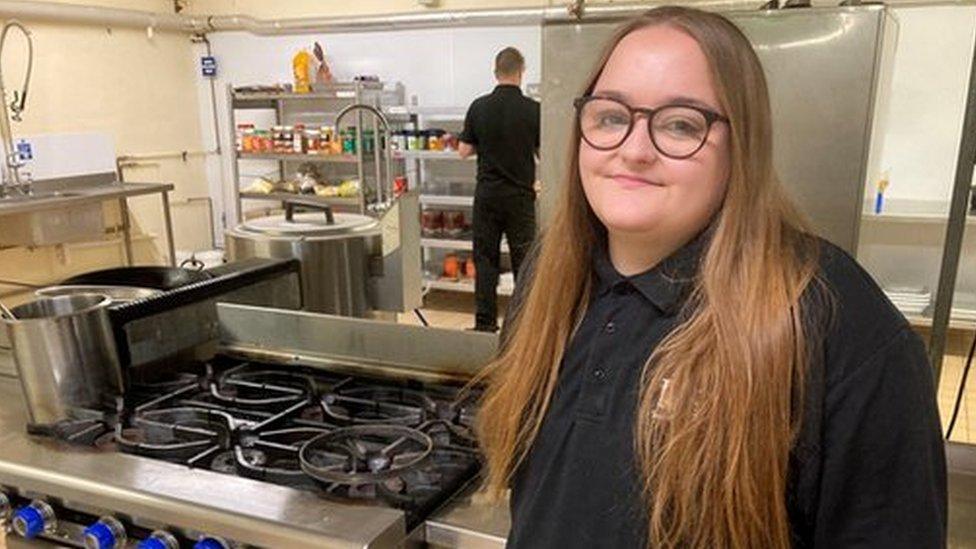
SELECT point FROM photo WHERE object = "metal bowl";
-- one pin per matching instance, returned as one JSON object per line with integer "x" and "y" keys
{"x": 118, "y": 294}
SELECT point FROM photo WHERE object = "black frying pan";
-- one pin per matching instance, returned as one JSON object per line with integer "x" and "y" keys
{"x": 159, "y": 278}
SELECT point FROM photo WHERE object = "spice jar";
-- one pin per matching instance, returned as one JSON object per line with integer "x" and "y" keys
{"x": 328, "y": 136}
{"x": 313, "y": 141}
{"x": 265, "y": 141}
{"x": 349, "y": 141}
{"x": 431, "y": 223}
{"x": 399, "y": 142}
{"x": 298, "y": 139}
{"x": 248, "y": 144}
{"x": 239, "y": 135}
{"x": 285, "y": 143}
{"x": 435, "y": 140}
{"x": 454, "y": 223}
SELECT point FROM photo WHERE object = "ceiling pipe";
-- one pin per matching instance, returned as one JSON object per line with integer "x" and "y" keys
{"x": 441, "y": 19}
{"x": 195, "y": 24}
{"x": 93, "y": 15}
{"x": 198, "y": 24}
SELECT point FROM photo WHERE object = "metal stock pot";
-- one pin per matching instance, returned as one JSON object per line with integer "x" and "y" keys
{"x": 334, "y": 249}
{"x": 65, "y": 355}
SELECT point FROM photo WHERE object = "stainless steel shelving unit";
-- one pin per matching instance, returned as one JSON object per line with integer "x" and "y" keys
{"x": 426, "y": 171}
{"x": 314, "y": 109}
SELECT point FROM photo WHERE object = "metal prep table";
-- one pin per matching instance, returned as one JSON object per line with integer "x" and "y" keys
{"x": 83, "y": 190}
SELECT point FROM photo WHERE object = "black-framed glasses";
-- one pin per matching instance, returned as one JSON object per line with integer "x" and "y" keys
{"x": 677, "y": 131}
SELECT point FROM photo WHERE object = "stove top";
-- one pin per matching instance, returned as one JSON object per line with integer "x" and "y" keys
{"x": 353, "y": 439}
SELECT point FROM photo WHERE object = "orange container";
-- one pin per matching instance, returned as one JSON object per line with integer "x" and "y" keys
{"x": 452, "y": 267}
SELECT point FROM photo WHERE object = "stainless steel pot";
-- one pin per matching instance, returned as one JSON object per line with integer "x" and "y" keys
{"x": 334, "y": 250}
{"x": 65, "y": 355}
{"x": 118, "y": 294}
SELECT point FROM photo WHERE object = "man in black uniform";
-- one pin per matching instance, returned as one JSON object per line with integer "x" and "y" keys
{"x": 503, "y": 129}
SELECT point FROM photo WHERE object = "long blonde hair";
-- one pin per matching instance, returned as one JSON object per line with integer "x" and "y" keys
{"x": 714, "y": 458}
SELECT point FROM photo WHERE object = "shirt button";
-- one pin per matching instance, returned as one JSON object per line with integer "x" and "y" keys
{"x": 599, "y": 374}
{"x": 621, "y": 288}
{"x": 610, "y": 327}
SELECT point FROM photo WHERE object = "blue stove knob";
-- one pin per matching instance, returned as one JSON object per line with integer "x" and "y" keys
{"x": 33, "y": 520}
{"x": 210, "y": 543}
{"x": 107, "y": 533}
{"x": 159, "y": 539}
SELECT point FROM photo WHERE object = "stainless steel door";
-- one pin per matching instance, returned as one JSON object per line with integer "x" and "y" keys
{"x": 823, "y": 65}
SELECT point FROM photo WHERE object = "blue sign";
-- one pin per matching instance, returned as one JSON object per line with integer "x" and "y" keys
{"x": 208, "y": 66}
{"x": 24, "y": 150}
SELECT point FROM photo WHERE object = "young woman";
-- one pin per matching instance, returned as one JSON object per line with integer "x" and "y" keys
{"x": 686, "y": 365}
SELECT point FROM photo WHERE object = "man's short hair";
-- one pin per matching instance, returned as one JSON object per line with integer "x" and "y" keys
{"x": 509, "y": 62}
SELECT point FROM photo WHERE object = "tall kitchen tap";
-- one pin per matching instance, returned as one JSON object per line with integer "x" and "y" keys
{"x": 384, "y": 195}
{"x": 13, "y": 163}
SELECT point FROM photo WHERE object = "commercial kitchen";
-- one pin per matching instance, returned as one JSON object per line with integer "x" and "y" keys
{"x": 236, "y": 247}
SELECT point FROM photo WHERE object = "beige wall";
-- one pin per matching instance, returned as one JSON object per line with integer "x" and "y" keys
{"x": 138, "y": 89}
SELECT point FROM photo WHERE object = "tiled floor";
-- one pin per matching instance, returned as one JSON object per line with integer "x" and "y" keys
{"x": 965, "y": 428}
{"x": 451, "y": 310}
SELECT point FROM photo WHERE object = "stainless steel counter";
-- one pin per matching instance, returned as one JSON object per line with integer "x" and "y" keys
{"x": 161, "y": 493}
{"x": 469, "y": 522}
{"x": 76, "y": 195}
{"x": 72, "y": 192}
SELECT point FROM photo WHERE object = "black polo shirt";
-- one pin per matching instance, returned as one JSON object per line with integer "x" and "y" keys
{"x": 868, "y": 468}
{"x": 504, "y": 128}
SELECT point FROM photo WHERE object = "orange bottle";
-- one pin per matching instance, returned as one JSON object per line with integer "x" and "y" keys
{"x": 451, "y": 266}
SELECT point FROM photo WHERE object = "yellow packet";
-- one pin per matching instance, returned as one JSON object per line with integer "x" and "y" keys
{"x": 300, "y": 65}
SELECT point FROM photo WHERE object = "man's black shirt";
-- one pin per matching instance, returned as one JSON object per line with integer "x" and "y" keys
{"x": 867, "y": 469}
{"x": 504, "y": 128}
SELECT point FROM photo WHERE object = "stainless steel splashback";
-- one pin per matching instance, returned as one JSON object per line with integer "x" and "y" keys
{"x": 338, "y": 343}
{"x": 823, "y": 65}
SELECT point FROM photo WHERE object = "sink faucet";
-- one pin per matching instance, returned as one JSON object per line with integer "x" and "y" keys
{"x": 12, "y": 164}
{"x": 384, "y": 197}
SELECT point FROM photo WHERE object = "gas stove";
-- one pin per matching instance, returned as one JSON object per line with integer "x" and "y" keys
{"x": 353, "y": 439}
{"x": 359, "y": 436}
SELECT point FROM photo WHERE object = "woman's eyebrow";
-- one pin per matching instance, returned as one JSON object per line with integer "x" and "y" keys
{"x": 672, "y": 99}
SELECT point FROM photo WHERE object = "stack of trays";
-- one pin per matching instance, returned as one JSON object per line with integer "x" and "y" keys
{"x": 910, "y": 301}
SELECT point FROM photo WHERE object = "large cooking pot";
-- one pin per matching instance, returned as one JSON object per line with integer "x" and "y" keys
{"x": 158, "y": 278}
{"x": 334, "y": 250}
{"x": 119, "y": 295}
{"x": 65, "y": 356}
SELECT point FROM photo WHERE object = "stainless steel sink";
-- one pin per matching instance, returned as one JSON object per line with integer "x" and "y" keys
{"x": 55, "y": 219}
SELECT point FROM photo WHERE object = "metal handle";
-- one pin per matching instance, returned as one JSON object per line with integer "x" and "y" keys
{"x": 292, "y": 204}
{"x": 193, "y": 262}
